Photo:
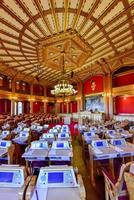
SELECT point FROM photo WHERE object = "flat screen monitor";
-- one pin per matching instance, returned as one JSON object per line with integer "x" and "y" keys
{"x": 99, "y": 144}
{"x": 89, "y": 134}
{"x": 55, "y": 177}
{"x": 5, "y": 133}
{"x": 117, "y": 142}
{"x": 3, "y": 144}
{"x": 23, "y": 135}
{"x": 63, "y": 135}
{"x": 111, "y": 132}
{"x": 60, "y": 145}
{"x": 41, "y": 145}
{"x": 6, "y": 177}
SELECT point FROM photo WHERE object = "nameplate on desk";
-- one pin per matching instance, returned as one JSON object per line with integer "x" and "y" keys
{"x": 60, "y": 158}
{"x": 56, "y": 158}
{"x": 126, "y": 153}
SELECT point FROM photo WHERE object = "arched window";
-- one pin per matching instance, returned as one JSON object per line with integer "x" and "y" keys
{"x": 20, "y": 108}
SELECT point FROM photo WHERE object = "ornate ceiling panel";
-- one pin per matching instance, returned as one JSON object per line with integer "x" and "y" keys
{"x": 97, "y": 36}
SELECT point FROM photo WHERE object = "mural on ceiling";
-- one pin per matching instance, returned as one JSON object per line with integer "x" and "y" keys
{"x": 94, "y": 104}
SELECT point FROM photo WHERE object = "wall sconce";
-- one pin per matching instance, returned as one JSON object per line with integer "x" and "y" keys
{"x": 124, "y": 98}
{"x": 31, "y": 99}
{"x": 46, "y": 100}
{"x": 14, "y": 98}
{"x": 78, "y": 98}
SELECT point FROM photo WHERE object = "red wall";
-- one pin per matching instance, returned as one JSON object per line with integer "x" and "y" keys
{"x": 2, "y": 106}
{"x": 98, "y": 85}
{"x": 124, "y": 105}
{"x": 63, "y": 107}
{"x": 48, "y": 92}
{"x": 38, "y": 90}
{"x": 5, "y": 106}
{"x": 38, "y": 107}
{"x": 123, "y": 80}
{"x": 26, "y": 107}
{"x": 50, "y": 107}
{"x": 72, "y": 106}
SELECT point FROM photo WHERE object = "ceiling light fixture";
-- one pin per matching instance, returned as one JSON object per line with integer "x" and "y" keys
{"x": 63, "y": 88}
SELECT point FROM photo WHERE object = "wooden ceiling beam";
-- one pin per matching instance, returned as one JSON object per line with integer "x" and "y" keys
{"x": 122, "y": 55}
{"x": 22, "y": 60}
{"x": 89, "y": 15}
{"x": 115, "y": 36}
{"x": 123, "y": 44}
{"x": 112, "y": 5}
{"x": 7, "y": 51}
{"x": 24, "y": 8}
{"x": 15, "y": 29}
{"x": 98, "y": 57}
{"x": 66, "y": 3}
{"x": 52, "y": 4}
{"x": 16, "y": 55}
{"x": 107, "y": 38}
{"x": 16, "y": 44}
{"x": 38, "y": 5}
{"x": 111, "y": 31}
{"x": 11, "y": 13}
{"x": 111, "y": 22}
{"x": 47, "y": 73}
{"x": 77, "y": 15}
{"x": 50, "y": 77}
{"x": 17, "y": 50}
{"x": 27, "y": 64}
{"x": 26, "y": 69}
{"x": 129, "y": 15}
{"x": 15, "y": 37}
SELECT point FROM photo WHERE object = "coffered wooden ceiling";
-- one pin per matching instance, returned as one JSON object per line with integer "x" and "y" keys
{"x": 97, "y": 36}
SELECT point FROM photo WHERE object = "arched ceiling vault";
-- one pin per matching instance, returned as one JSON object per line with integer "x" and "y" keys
{"x": 97, "y": 36}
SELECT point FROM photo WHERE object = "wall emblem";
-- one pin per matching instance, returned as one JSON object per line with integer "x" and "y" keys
{"x": 93, "y": 85}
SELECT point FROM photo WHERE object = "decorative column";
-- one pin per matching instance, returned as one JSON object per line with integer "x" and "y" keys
{"x": 45, "y": 107}
{"x": 80, "y": 97}
{"x": 12, "y": 107}
{"x": 31, "y": 89}
{"x": 45, "y": 91}
{"x": 67, "y": 104}
{"x": 13, "y": 85}
{"x": 57, "y": 107}
{"x": 108, "y": 98}
{"x": 31, "y": 106}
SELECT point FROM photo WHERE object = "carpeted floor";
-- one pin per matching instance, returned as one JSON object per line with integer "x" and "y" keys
{"x": 92, "y": 193}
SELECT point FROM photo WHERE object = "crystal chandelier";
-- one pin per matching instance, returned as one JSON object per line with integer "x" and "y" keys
{"x": 63, "y": 87}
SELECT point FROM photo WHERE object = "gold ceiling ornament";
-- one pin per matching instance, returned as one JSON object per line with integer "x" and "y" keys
{"x": 63, "y": 88}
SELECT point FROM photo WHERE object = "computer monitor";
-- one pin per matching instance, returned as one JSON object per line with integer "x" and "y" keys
{"x": 110, "y": 132}
{"x": 5, "y": 132}
{"x": 60, "y": 145}
{"x": 24, "y": 134}
{"x": 39, "y": 145}
{"x": 47, "y": 135}
{"x": 56, "y": 177}
{"x": 5, "y": 143}
{"x": 118, "y": 142}
{"x": 89, "y": 134}
{"x": 13, "y": 176}
{"x": 99, "y": 143}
